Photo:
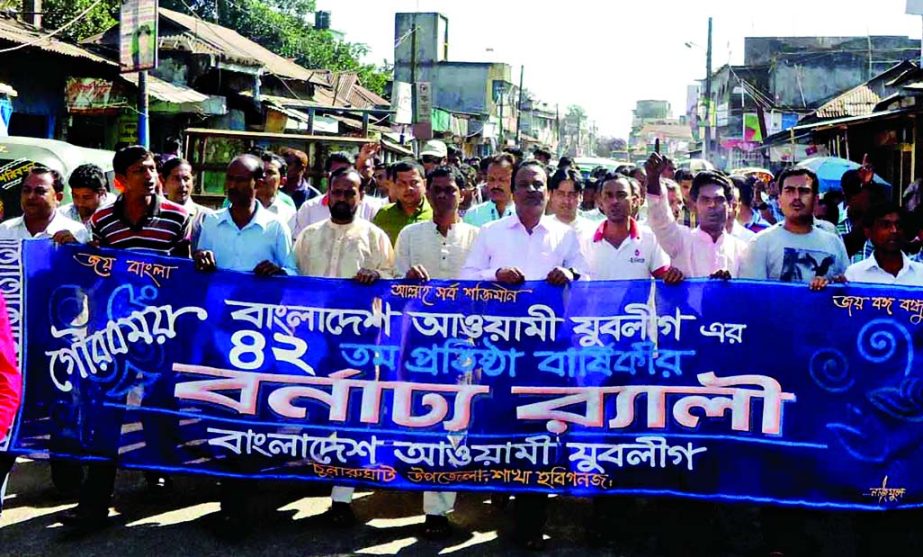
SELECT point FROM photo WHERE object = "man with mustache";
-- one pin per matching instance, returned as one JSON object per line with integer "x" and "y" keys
{"x": 89, "y": 190}
{"x": 529, "y": 245}
{"x": 796, "y": 250}
{"x": 437, "y": 249}
{"x": 347, "y": 247}
{"x": 178, "y": 181}
{"x": 706, "y": 250}
{"x": 500, "y": 197}
{"x": 411, "y": 205}
{"x": 888, "y": 264}
{"x": 244, "y": 236}
{"x": 41, "y": 191}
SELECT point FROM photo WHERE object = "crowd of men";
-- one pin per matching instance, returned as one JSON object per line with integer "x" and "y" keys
{"x": 506, "y": 218}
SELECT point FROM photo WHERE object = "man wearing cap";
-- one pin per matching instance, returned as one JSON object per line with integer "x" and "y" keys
{"x": 433, "y": 154}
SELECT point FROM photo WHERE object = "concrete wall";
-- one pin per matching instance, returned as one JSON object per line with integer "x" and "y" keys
{"x": 763, "y": 50}
{"x": 431, "y": 44}
{"x": 462, "y": 87}
{"x": 811, "y": 81}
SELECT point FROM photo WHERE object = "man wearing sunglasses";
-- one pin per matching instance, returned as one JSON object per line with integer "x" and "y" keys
{"x": 433, "y": 154}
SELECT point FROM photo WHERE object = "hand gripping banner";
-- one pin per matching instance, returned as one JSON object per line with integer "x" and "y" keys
{"x": 727, "y": 391}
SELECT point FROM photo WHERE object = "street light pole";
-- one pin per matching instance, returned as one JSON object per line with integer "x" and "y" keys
{"x": 706, "y": 147}
{"x": 522, "y": 73}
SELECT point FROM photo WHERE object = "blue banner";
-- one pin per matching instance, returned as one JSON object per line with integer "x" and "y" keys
{"x": 726, "y": 391}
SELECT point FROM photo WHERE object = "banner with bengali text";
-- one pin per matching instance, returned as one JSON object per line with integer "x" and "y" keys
{"x": 764, "y": 393}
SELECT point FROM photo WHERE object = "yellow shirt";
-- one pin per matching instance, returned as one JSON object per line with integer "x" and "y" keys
{"x": 326, "y": 249}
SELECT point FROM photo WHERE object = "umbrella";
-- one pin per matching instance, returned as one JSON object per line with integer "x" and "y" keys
{"x": 761, "y": 173}
{"x": 830, "y": 170}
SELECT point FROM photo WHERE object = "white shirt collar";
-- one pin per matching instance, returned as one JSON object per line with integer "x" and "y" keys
{"x": 871, "y": 262}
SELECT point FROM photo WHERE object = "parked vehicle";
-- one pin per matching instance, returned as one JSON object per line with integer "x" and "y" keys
{"x": 19, "y": 154}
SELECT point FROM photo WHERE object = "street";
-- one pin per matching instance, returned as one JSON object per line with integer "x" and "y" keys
{"x": 180, "y": 525}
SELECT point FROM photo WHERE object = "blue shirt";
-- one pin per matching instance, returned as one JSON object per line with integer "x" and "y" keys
{"x": 264, "y": 238}
{"x": 486, "y": 212}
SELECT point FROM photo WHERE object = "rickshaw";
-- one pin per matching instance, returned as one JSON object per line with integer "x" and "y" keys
{"x": 19, "y": 154}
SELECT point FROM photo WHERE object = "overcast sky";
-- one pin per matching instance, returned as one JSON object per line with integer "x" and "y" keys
{"x": 605, "y": 55}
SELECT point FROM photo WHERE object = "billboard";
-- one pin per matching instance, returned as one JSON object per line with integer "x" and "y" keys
{"x": 138, "y": 35}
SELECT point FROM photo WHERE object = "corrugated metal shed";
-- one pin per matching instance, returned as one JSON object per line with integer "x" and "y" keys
{"x": 14, "y": 31}
{"x": 858, "y": 101}
{"x": 167, "y": 92}
{"x": 215, "y": 39}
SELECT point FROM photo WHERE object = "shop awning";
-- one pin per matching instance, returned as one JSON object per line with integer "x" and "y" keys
{"x": 179, "y": 98}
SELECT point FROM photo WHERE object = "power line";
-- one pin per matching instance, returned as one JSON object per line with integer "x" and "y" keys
{"x": 79, "y": 16}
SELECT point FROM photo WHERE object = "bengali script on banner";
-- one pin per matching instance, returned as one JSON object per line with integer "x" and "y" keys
{"x": 727, "y": 391}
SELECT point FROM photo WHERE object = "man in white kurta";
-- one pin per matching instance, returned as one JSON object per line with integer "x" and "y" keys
{"x": 436, "y": 249}
{"x": 344, "y": 246}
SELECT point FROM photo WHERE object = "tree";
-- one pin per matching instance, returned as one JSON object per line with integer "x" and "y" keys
{"x": 575, "y": 113}
{"x": 279, "y": 25}
{"x": 56, "y": 13}
{"x": 606, "y": 145}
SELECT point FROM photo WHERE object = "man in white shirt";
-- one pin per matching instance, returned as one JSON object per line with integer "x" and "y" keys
{"x": 621, "y": 248}
{"x": 566, "y": 190}
{"x": 527, "y": 246}
{"x": 89, "y": 191}
{"x": 42, "y": 191}
{"x": 267, "y": 190}
{"x": 317, "y": 208}
{"x": 178, "y": 181}
{"x": 888, "y": 263}
{"x": 437, "y": 249}
{"x": 344, "y": 245}
{"x": 796, "y": 250}
{"x": 706, "y": 250}
{"x": 499, "y": 202}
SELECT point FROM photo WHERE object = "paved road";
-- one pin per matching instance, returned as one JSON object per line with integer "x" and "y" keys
{"x": 180, "y": 525}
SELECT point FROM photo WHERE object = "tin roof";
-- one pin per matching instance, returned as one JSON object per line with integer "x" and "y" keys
{"x": 858, "y": 101}
{"x": 15, "y": 31}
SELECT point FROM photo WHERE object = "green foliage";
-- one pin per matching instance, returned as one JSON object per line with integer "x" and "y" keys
{"x": 575, "y": 113}
{"x": 281, "y": 26}
{"x": 59, "y": 12}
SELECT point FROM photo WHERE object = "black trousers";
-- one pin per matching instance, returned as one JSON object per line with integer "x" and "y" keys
{"x": 6, "y": 464}
{"x": 530, "y": 514}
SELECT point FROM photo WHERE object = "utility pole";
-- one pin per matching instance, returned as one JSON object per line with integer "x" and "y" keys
{"x": 557, "y": 122}
{"x": 706, "y": 147}
{"x": 502, "y": 94}
{"x": 144, "y": 128}
{"x": 413, "y": 79}
{"x": 522, "y": 72}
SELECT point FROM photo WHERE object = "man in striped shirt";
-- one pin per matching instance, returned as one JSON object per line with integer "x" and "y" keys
{"x": 140, "y": 219}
